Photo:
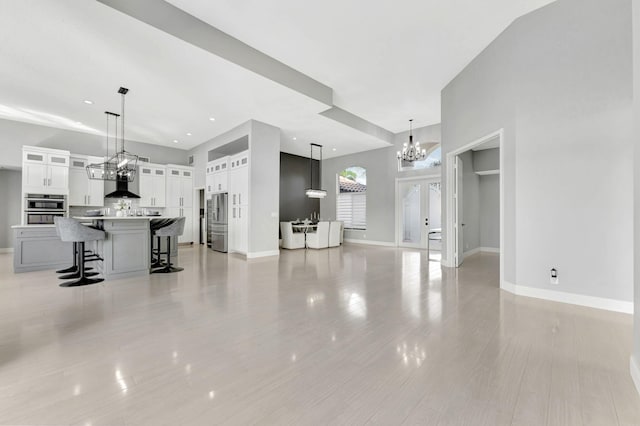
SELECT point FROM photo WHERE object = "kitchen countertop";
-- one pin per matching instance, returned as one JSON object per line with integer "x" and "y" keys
{"x": 121, "y": 217}
{"x": 32, "y": 226}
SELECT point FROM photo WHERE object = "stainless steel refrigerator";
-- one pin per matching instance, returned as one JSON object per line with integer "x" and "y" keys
{"x": 217, "y": 237}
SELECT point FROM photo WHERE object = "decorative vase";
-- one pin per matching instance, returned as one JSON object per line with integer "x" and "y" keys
{"x": 120, "y": 213}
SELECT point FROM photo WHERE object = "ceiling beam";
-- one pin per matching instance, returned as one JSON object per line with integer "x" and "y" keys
{"x": 172, "y": 20}
{"x": 348, "y": 119}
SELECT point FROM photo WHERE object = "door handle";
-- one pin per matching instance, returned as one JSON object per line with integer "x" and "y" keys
{"x": 49, "y": 181}
{"x": 44, "y": 181}
{"x": 89, "y": 197}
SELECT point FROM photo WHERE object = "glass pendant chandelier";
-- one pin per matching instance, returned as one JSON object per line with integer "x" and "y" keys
{"x": 316, "y": 193}
{"x": 122, "y": 165}
{"x": 411, "y": 152}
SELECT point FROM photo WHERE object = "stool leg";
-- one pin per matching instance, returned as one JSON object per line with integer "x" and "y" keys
{"x": 84, "y": 276}
{"x": 168, "y": 268}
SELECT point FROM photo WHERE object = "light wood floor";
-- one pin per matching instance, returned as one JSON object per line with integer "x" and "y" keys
{"x": 350, "y": 335}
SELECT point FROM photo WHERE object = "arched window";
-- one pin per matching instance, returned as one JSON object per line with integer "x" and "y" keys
{"x": 351, "y": 206}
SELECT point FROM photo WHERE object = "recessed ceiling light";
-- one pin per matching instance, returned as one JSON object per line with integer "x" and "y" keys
{"x": 175, "y": 141}
{"x": 212, "y": 119}
{"x": 188, "y": 134}
{"x": 295, "y": 139}
{"x": 88, "y": 102}
{"x": 334, "y": 149}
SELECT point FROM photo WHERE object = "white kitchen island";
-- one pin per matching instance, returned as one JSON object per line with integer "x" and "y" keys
{"x": 126, "y": 248}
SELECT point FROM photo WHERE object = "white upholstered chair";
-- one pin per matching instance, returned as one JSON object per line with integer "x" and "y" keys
{"x": 320, "y": 238}
{"x": 290, "y": 239}
{"x": 335, "y": 233}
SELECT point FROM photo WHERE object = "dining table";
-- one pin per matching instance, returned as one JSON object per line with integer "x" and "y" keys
{"x": 304, "y": 227}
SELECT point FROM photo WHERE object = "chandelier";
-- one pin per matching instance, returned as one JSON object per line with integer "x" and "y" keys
{"x": 316, "y": 193}
{"x": 122, "y": 164}
{"x": 411, "y": 152}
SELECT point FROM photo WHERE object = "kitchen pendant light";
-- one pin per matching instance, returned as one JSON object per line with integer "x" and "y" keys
{"x": 311, "y": 192}
{"x": 411, "y": 152}
{"x": 122, "y": 165}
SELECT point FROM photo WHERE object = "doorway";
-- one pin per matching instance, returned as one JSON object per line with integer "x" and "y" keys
{"x": 475, "y": 212}
{"x": 418, "y": 214}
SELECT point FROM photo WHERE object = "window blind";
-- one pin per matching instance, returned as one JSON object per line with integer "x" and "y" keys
{"x": 352, "y": 209}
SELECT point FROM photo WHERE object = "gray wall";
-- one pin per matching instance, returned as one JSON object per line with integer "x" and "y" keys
{"x": 470, "y": 203}
{"x": 11, "y": 211}
{"x": 382, "y": 171}
{"x": 558, "y": 84}
{"x": 295, "y": 178}
{"x": 636, "y": 115}
{"x": 15, "y": 134}
{"x": 490, "y": 211}
{"x": 264, "y": 187}
{"x": 486, "y": 159}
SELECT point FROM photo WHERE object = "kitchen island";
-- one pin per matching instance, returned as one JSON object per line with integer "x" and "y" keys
{"x": 126, "y": 248}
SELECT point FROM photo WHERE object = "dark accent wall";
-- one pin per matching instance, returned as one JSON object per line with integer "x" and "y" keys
{"x": 295, "y": 178}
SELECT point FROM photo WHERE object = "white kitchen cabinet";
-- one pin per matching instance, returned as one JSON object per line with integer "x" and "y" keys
{"x": 82, "y": 190}
{"x": 45, "y": 171}
{"x": 217, "y": 175}
{"x": 238, "y": 188}
{"x": 152, "y": 185}
{"x": 179, "y": 197}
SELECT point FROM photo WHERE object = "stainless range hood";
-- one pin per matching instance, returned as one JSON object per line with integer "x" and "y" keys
{"x": 122, "y": 189}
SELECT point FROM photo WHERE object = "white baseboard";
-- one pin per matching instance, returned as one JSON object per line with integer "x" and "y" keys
{"x": 471, "y": 252}
{"x": 490, "y": 249}
{"x": 263, "y": 254}
{"x": 6, "y": 250}
{"x": 635, "y": 373}
{"x": 571, "y": 298}
{"x": 370, "y": 242}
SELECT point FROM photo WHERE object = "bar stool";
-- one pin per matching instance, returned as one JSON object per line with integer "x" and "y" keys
{"x": 70, "y": 230}
{"x": 73, "y": 269}
{"x": 174, "y": 229}
{"x": 154, "y": 225}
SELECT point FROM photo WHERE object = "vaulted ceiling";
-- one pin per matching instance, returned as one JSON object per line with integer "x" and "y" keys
{"x": 385, "y": 62}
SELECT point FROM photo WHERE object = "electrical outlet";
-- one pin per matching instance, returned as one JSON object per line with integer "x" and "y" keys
{"x": 553, "y": 278}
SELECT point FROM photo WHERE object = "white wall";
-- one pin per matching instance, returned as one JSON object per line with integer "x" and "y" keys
{"x": 635, "y": 359}
{"x": 382, "y": 170}
{"x": 560, "y": 87}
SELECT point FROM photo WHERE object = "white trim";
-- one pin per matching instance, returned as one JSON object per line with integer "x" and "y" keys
{"x": 470, "y": 252}
{"x": 449, "y": 179}
{"x": 370, "y": 242}
{"x": 257, "y": 254}
{"x": 488, "y": 172}
{"x": 570, "y": 298}
{"x": 490, "y": 249}
{"x": 635, "y": 373}
{"x": 6, "y": 250}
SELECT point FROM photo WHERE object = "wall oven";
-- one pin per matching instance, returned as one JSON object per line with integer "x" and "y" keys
{"x": 40, "y": 209}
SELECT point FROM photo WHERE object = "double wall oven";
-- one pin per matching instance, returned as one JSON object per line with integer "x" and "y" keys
{"x": 40, "y": 209}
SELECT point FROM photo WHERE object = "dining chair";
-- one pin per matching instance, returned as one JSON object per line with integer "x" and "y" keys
{"x": 290, "y": 239}
{"x": 320, "y": 238}
{"x": 335, "y": 229}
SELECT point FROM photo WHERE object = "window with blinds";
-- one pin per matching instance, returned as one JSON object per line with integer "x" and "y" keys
{"x": 352, "y": 209}
{"x": 351, "y": 205}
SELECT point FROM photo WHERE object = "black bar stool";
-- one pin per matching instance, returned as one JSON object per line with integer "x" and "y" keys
{"x": 70, "y": 230}
{"x": 174, "y": 229}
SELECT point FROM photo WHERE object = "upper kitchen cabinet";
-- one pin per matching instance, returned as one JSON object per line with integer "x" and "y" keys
{"x": 179, "y": 199}
{"x": 45, "y": 171}
{"x": 153, "y": 185}
{"x": 82, "y": 190}
{"x": 217, "y": 175}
